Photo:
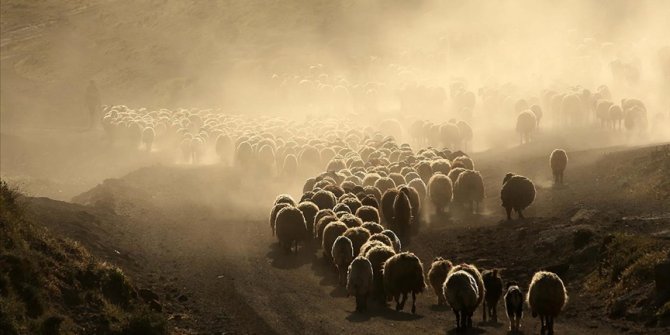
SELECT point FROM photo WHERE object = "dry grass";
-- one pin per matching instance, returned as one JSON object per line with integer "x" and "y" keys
{"x": 54, "y": 286}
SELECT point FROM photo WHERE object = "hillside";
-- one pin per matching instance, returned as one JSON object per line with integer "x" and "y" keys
{"x": 51, "y": 285}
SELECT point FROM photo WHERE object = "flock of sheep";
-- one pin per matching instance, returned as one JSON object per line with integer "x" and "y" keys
{"x": 371, "y": 199}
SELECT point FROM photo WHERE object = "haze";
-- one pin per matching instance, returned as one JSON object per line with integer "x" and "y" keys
{"x": 162, "y": 136}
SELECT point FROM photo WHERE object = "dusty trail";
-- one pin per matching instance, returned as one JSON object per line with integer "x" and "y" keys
{"x": 211, "y": 256}
{"x": 238, "y": 278}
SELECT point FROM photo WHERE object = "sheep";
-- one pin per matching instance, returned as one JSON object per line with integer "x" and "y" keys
{"x": 309, "y": 185}
{"x": 525, "y": 125}
{"x": 403, "y": 274}
{"x": 307, "y": 196}
{"x": 514, "y": 306}
{"x": 440, "y": 191}
{"x": 335, "y": 189}
{"x": 341, "y": 208}
{"x": 474, "y": 272}
{"x": 284, "y": 198}
{"x": 309, "y": 210}
{"x": 387, "y": 205}
{"x": 603, "y": 111}
{"x": 461, "y": 292}
{"x": 397, "y": 245}
{"x": 373, "y": 191}
{"x": 402, "y": 214}
{"x": 244, "y": 155}
{"x": 273, "y": 214}
{"x": 324, "y": 199}
{"x": 465, "y": 161}
{"x": 616, "y": 115}
{"x": 321, "y": 225}
{"x": 370, "y": 200}
{"x": 373, "y": 227}
{"x": 291, "y": 228}
{"x": 386, "y": 240}
{"x": 289, "y": 166}
{"x": 397, "y": 178}
{"x": 537, "y": 111}
{"x": 342, "y": 253}
{"x": 368, "y": 214}
{"x": 330, "y": 234}
{"x": 351, "y": 221}
{"x": 414, "y": 200}
{"x": 517, "y": 193}
{"x": 352, "y": 202}
{"x": 546, "y": 298}
{"x": 265, "y": 158}
{"x": 469, "y": 190}
{"x": 369, "y": 245}
{"x": 465, "y": 132}
{"x": 424, "y": 170}
{"x": 358, "y": 237}
{"x": 558, "y": 161}
{"x": 360, "y": 281}
{"x": 420, "y": 187}
{"x": 437, "y": 274}
{"x": 148, "y": 136}
{"x": 378, "y": 255}
{"x": 370, "y": 179}
{"x": 440, "y": 166}
{"x": 454, "y": 173}
{"x": 384, "y": 184}
{"x": 493, "y": 287}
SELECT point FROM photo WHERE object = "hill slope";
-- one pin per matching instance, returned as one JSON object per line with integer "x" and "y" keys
{"x": 51, "y": 285}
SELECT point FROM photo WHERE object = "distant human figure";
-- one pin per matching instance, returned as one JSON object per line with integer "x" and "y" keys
{"x": 93, "y": 103}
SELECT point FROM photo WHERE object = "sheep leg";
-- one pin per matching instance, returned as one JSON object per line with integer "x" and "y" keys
{"x": 397, "y": 302}
{"x": 495, "y": 313}
{"x": 458, "y": 319}
{"x": 520, "y": 214}
{"x": 358, "y": 302}
{"x": 402, "y": 302}
{"x": 413, "y": 303}
{"x": 484, "y": 310}
{"x": 550, "y": 325}
{"x": 509, "y": 213}
{"x": 544, "y": 327}
{"x": 469, "y": 321}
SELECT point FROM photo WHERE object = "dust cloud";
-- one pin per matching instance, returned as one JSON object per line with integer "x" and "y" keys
{"x": 359, "y": 61}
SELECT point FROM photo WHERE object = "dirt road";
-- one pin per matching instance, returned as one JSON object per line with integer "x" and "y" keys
{"x": 212, "y": 258}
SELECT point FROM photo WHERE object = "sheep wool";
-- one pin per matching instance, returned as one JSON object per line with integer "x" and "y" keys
{"x": 517, "y": 193}
{"x": 343, "y": 254}
{"x": 291, "y": 228}
{"x": 558, "y": 160}
{"x": 546, "y": 297}
{"x": 403, "y": 274}
{"x": 359, "y": 281}
{"x": 461, "y": 292}
{"x": 437, "y": 274}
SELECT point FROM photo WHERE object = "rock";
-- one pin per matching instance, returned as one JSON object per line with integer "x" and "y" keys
{"x": 664, "y": 234}
{"x": 582, "y": 236}
{"x": 155, "y": 306}
{"x": 662, "y": 276}
{"x": 583, "y": 214}
{"x": 148, "y": 295}
{"x": 588, "y": 254}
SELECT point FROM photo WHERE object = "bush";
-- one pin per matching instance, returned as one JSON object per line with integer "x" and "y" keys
{"x": 145, "y": 322}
